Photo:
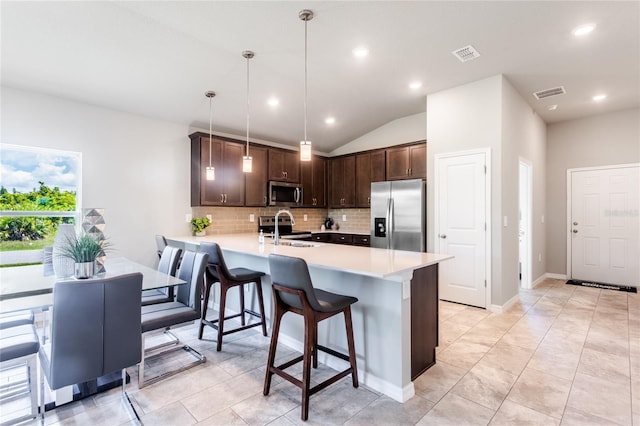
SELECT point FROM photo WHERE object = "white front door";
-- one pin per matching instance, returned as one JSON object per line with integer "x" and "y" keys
{"x": 461, "y": 227}
{"x": 603, "y": 225}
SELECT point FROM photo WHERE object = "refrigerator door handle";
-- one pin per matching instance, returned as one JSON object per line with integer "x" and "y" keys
{"x": 390, "y": 223}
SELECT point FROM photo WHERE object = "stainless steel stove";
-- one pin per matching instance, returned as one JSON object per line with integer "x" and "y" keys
{"x": 267, "y": 224}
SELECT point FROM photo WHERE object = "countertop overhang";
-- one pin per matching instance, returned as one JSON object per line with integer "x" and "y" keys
{"x": 374, "y": 262}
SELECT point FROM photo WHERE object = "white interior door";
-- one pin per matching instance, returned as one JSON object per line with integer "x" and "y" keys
{"x": 603, "y": 225}
{"x": 461, "y": 227}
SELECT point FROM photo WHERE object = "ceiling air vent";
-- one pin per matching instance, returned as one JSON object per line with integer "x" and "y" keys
{"x": 466, "y": 53}
{"x": 547, "y": 93}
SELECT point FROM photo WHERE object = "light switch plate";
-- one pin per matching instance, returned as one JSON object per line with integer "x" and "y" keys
{"x": 252, "y": 218}
{"x": 210, "y": 218}
{"x": 304, "y": 217}
{"x": 187, "y": 217}
{"x": 344, "y": 217}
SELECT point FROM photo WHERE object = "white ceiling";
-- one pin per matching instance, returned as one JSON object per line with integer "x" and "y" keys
{"x": 157, "y": 58}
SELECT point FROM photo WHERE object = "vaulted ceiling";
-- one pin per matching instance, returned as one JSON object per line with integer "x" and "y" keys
{"x": 157, "y": 58}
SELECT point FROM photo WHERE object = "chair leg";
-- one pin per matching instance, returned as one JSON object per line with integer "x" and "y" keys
{"x": 315, "y": 346}
{"x": 309, "y": 339}
{"x": 242, "y": 319}
{"x": 141, "y": 366}
{"x": 272, "y": 349}
{"x": 351, "y": 345}
{"x": 223, "y": 300}
{"x": 205, "y": 303}
{"x": 261, "y": 306}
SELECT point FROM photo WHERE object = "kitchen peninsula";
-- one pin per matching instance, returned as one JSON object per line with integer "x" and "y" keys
{"x": 395, "y": 321}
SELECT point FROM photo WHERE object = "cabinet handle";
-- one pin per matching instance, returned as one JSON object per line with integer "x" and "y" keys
{"x": 265, "y": 199}
{"x": 408, "y": 172}
{"x": 369, "y": 200}
{"x": 364, "y": 240}
{"x": 225, "y": 198}
{"x": 222, "y": 198}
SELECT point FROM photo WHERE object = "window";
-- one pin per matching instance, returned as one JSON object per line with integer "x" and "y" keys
{"x": 39, "y": 189}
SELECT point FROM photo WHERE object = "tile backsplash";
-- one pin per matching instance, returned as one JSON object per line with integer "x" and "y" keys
{"x": 231, "y": 220}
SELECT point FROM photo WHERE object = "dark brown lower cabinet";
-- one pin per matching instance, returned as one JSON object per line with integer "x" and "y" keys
{"x": 424, "y": 319}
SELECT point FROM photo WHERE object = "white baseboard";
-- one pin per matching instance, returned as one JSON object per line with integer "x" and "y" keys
{"x": 392, "y": 391}
{"x": 555, "y": 276}
{"x": 498, "y": 309}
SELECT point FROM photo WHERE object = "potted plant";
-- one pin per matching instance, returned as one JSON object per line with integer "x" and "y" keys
{"x": 198, "y": 224}
{"x": 83, "y": 250}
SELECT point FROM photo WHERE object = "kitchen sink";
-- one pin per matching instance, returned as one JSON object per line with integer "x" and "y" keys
{"x": 297, "y": 243}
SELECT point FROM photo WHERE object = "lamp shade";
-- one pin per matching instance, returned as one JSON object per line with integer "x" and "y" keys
{"x": 211, "y": 173}
{"x": 305, "y": 151}
{"x": 246, "y": 163}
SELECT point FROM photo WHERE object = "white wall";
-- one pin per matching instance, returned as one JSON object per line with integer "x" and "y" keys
{"x": 523, "y": 137}
{"x": 599, "y": 140}
{"x": 403, "y": 130}
{"x": 134, "y": 167}
{"x": 465, "y": 118}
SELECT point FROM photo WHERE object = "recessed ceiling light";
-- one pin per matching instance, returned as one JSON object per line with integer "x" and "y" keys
{"x": 583, "y": 30}
{"x": 599, "y": 98}
{"x": 415, "y": 85}
{"x": 360, "y": 52}
{"x": 273, "y": 102}
{"x": 329, "y": 120}
{"x": 552, "y": 107}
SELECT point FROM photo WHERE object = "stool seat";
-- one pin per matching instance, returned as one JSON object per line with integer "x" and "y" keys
{"x": 18, "y": 341}
{"x": 238, "y": 274}
{"x": 16, "y": 318}
{"x": 294, "y": 292}
{"x": 218, "y": 272}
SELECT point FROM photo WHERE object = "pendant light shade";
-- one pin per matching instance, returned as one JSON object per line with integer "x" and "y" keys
{"x": 210, "y": 170}
{"x": 305, "y": 145}
{"x": 247, "y": 161}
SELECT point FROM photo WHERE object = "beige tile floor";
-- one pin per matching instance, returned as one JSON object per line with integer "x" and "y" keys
{"x": 561, "y": 355}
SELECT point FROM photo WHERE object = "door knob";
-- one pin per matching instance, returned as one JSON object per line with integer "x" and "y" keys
{"x": 575, "y": 223}
{"x": 575, "y": 231}
{"x": 443, "y": 236}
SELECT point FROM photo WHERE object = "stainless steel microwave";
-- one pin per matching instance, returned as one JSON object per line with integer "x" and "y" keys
{"x": 284, "y": 194}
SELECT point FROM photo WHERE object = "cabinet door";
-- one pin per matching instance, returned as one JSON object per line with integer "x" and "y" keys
{"x": 418, "y": 161}
{"x": 337, "y": 179}
{"x": 378, "y": 166}
{"x": 319, "y": 182}
{"x": 233, "y": 177}
{"x": 211, "y": 191}
{"x": 363, "y": 180}
{"x": 306, "y": 179}
{"x": 349, "y": 187}
{"x": 398, "y": 163}
{"x": 284, "y": 165}
{"x": 255, "y": 186}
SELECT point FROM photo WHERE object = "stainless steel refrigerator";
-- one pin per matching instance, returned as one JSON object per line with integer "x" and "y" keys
{"x": 398, "y": 215}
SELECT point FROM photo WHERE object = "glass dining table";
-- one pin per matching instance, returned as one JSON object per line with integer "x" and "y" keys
{"x": 31, "y": 288}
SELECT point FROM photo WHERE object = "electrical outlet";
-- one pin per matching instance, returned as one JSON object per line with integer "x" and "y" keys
{"x": 539, "y": 257}
{"x": 344, "y": 217}
{"x": 187, "y": 217}
{"x": 542, "y": 219}
{"x": 304, "y": 217}
{"x": 210, "y": 218}
{"x": 252, "y": 218}
{"x": 504, "y": 222}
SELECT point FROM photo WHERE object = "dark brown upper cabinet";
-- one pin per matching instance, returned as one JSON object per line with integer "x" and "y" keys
{"x": 228, "y": 187}
{"x": 370, "y": 167}
{"x": 284, "y": 165}
{"x": 342, "y": 175}
{"x": 313, "y": 179}
{"x": 407, "y": 162}
{"x": 255, "y": 186}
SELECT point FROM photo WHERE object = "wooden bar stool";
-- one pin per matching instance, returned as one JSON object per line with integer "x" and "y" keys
{"x": 217, "y": 271}
{"x": 294, "y": 292}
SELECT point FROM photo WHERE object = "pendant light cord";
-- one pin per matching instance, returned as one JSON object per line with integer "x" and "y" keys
{"x": 305, "y": 81}
{"x": 248, "y": 105}
{"x": 210, "y": 121}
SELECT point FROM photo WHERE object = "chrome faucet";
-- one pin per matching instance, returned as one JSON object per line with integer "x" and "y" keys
{"x": 276, "y": 238}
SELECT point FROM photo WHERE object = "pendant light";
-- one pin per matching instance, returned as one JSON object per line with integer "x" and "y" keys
{"x": 305, "y": 145}
{"x": 211, "y": 171}
{"x": 247, "y": 160}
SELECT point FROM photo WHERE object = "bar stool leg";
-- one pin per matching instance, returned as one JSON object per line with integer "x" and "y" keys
{"x": 315, "y": 346}
{"x": 223, "y": 300}
{"x": 242, "y": 320}
{"x": 309, "y": 339}
{"x": 277, "y": 316}
{"x": 351, "y": 345}
{"x": 261, "y": 306}
{"x": 205, "y": 303}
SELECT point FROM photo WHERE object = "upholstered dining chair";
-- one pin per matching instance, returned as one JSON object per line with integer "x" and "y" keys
{"x": 161, "y": 243}
{"x": 168, "y": 264}
{"x": 183, "y": 311}
{"x": 95, "y": 331}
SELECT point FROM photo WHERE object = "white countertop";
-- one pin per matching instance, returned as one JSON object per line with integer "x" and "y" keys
{"x": 379, "y": 263}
